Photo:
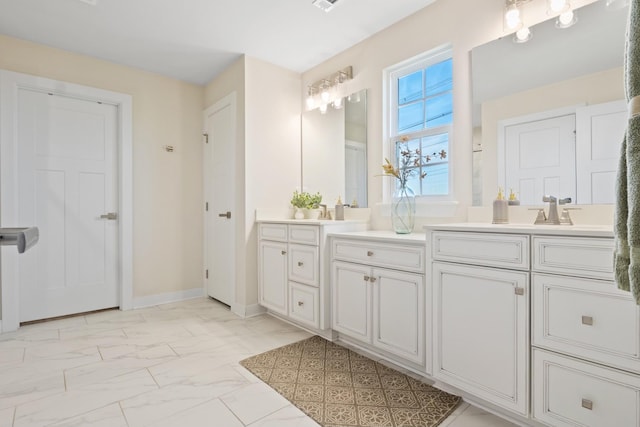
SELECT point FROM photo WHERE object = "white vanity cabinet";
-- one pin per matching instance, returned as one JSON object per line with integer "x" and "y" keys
{"x": 481, "y": 315}
{"x": 378, "y": 294}
{"x": 585, "y": 336}
{"x": 293, "y": 270}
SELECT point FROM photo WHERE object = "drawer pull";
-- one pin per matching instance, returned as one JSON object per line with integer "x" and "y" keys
{"x": 300, "y": 303}
{"x": 300, "y": 263}
{"x": 283, "y": 252}
{"x": 366, "y": 278}
{"x": 587, "y": 404}
{"x": 369, "y": 253}
{"x": 519, "y": 291}
{"x": 587, "y": 320}
{"x": 372, "y": 279}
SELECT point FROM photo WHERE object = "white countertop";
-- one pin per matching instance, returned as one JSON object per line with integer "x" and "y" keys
{"x": 383, "y": 236}
{"x": 327, "y": 222}
{"x": 555, "y": 230}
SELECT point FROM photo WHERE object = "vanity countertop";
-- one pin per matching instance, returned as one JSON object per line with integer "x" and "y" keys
{"x": 383, "y": 236}
{"x": 327, "y": 222}
{"x": 554, "y": 230}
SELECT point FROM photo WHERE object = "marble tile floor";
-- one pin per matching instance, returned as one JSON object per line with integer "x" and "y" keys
{"x": 162, "y": 366}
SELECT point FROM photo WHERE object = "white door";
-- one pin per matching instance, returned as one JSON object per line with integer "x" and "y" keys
{"x": 273, "y": 276}
{"x": 398, "y": 313}
{"x": 600, "y": 129}
{"x": 351, "y": 293}
{"x": 219, "y": 172}
{"x": 539, "y": 159}
{"x": 67, "y": 180}
{"x": 481, "y": 332}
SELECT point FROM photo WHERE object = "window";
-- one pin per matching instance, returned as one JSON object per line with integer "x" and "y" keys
{"x": 421, "y": 118}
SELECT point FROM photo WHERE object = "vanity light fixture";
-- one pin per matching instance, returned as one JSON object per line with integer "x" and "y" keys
{"x": 329, "y": 91}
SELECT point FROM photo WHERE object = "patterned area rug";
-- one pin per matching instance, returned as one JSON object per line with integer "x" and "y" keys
{"x": 338, "y": 387}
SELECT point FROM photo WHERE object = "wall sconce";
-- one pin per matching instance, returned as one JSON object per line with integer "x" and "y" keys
{"x": 329, "y": 90}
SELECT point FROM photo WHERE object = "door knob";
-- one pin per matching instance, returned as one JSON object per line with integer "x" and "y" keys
{"x": 110, "y": 216}
{"x": 226, "y": 214}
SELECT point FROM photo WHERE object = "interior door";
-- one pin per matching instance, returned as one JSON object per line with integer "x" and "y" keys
{"x": 540, "y": 157}
{"x": 600, "y": 129}
{"x": 220, "y": 218}
{"x": 67, "y": 185}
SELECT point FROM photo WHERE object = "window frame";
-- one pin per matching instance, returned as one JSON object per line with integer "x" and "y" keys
{"x": 390, "y": 113}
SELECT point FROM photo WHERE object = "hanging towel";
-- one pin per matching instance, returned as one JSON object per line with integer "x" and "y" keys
{"x": 627, "y": 212}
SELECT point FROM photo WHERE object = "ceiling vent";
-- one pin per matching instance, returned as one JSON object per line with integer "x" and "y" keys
{"x": 325, "y": 5}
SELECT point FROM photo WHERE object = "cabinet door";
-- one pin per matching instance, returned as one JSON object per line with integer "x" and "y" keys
{"x": 351, "y": 293}
{"x": 398, "y": 313}
{"x": 272, "y": 277}
{"x": 481, "y": 332}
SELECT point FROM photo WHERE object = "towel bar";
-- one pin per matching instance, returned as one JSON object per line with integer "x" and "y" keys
{"x": 24, "y": 238}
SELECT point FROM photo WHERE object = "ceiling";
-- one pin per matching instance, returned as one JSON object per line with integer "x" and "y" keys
{"x": 194, "y": 40}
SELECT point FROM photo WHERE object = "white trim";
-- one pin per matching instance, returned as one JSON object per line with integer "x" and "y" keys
{"x": 167, "y": 298}
{"x": 389, "y": 92}
{"x": 10, "y": 82}
{"x": 248, "y": 310}
{"x": 503, "y": 124}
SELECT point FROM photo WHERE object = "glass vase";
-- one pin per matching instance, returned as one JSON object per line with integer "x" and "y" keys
{"x": 403, "y": 210}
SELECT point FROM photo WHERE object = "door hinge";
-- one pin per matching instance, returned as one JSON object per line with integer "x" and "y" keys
{"x": 206, "y": 274}
{"x": 206, "y": 206}
{"x": 206, "y": 138}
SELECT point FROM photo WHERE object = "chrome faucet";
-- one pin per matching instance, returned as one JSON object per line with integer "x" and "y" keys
{"x": 325, "y": 214}
{"x": 552, "y": 217}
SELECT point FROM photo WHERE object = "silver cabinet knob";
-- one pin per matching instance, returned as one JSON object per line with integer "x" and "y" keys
{"x": 283, "y": 252}
{"x": 300, "y": 263}
{"x": 587, "y": 404}
{"x": 300, "y": 303}
{"x": 372, "y": 279}
{"x": 369, "y": 253}
{"x": 366, "y": 278}
{"x": 226, "y": 214}
{"x": 587, "y": 320}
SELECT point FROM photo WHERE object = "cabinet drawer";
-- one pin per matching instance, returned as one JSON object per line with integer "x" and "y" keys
{"x": 276, "y": 232}
{"x": 304, "y": 304}
{"x": 588, "y": 319}
{"x": 504, "y": 250}
{"x": 402, "y": 257}
{"x": 568, "y": 392}
{"x": 574, "y": 256}
{"x": 303, "y": 264}
{"x": 305, "y": 234}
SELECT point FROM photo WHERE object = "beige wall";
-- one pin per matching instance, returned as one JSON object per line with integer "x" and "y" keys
{"x": 462, "y": 23}
{"x": 167, "y": 187}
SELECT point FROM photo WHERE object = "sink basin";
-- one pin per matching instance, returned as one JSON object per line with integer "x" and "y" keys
{"x": 22, "y": 237}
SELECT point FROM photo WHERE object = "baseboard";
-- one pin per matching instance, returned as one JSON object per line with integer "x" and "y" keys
{"x": 247, "y": 310}
{"x": 167, "y": 297}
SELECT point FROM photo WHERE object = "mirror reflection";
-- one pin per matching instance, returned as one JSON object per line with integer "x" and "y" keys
{"x": 334, "y": 152}
{"x": 549, "y": 114}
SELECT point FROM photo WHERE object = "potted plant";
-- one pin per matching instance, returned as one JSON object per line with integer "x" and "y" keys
{"x": 303, "y": 200}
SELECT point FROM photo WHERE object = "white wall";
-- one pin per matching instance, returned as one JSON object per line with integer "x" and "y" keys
{"x": 267, "y": 152}
{"x": 167, "y": 187}
{"x": 462, "y": 23}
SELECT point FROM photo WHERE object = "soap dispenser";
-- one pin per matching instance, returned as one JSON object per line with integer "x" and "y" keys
{"x": 339, "y": 215}
{"x": 513, "y": 199}
{"x": 500, "y": 209}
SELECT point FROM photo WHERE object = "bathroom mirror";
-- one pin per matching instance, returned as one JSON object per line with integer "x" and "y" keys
{"x": 557, "y": 71}
{"x": 334, "y": 152}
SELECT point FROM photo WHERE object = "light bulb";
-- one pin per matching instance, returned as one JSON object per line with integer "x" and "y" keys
{"x": 557, "y": 6}
{"x": 566, "y": 19}
{"x": 512, "y": 17}
{"x": 337, "y": 103}
{"x": 523, "y": 35}
{"x": 323, "y": 108}
{"x": 324, "y": 95}
{"x": 311, "y": 103}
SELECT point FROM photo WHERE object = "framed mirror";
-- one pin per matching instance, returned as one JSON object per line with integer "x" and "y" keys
{"x": 334, "y": 152}
{"x": 576, "y": 72}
